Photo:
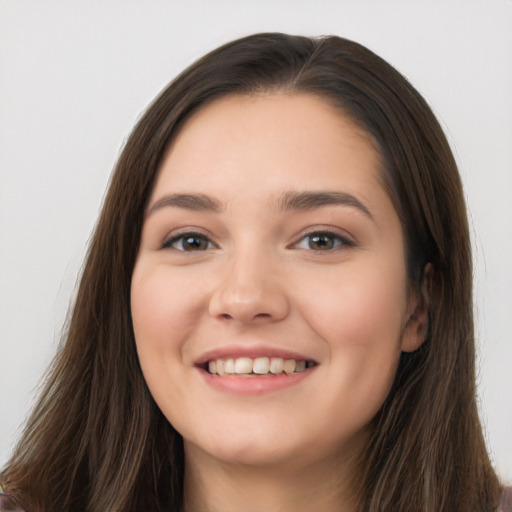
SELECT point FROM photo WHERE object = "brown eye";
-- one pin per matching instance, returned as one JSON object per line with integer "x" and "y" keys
{"x": 323, "y": 241}
{"x": 188, "y": 242}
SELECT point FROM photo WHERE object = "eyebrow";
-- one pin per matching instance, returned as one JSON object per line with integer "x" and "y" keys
{"x": 304, "y": 201}
{"x": 288, "y": 201}
{"x": 195, "y": 202}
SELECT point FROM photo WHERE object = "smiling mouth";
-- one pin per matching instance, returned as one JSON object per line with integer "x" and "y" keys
{"x": 247, "y": 366}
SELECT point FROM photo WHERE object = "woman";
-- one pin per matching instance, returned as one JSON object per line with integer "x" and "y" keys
{"x": 275, "y": 312}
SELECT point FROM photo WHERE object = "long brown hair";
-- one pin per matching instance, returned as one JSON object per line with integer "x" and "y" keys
{"x": 96, "y": 441}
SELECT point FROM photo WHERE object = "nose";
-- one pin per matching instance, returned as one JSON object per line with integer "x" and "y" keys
{"x": 250, "y": 290}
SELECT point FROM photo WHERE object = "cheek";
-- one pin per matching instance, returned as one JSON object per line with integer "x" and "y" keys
{"x": 147, "y": 306}
{"x": 362, "y": 300}
{"x": 359, "y": 313}
{"x": 162, "y": 317}
{"x": 164, "y": 307}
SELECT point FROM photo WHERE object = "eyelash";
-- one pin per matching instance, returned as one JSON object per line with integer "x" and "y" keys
{"x": 170, "y": 242}
{"x": 337, "y": 240}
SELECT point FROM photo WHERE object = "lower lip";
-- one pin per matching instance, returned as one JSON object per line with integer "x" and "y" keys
{"x": 254, "y": 385}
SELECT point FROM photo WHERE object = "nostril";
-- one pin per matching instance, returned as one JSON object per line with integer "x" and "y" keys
{"x": 247, "y": 303}
{"x": 227, "y": 316}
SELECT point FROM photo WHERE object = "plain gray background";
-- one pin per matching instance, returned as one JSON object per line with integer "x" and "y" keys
{"x": 75, "y": 75}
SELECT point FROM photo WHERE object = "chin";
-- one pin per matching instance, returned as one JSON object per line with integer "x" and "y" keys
{"x": 250, "y": 447}
{"x": 286, "y": 447}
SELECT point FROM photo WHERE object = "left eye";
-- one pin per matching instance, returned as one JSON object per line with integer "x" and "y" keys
{"x": 322, "y": 241}
{"x": 189, "y": 242}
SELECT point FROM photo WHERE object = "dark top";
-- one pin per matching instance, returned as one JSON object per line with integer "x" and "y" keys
{"x": 8, "y": 504}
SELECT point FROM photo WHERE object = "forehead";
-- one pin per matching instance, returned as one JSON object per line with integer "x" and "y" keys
{"x": 284, "y": 141}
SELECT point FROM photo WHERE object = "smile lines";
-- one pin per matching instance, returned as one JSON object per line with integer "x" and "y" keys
{"x": 256, "y": 366}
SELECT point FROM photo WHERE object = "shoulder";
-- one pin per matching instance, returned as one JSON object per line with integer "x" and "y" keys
{"x": 7, "y": 504}
{"x": 506, "y": 500}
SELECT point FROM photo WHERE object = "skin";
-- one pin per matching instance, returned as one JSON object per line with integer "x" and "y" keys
{"x": 256, "y": 279}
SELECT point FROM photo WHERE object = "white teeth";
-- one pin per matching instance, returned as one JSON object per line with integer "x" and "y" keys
{"x": 261, "y": 365}
{"x": 258, "y": 366}
{"x": 276, "y": 365}
{"x": 243, "y": 365}
{"x": 289, "y": 366}
{"x": 229, "y": 365}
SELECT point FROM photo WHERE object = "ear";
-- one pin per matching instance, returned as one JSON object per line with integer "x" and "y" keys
{"x": 416, "y": 327}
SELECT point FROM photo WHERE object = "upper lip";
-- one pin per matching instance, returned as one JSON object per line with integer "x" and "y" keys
{"x": 251, "y": 351}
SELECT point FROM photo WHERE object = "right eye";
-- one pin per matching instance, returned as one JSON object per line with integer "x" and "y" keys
{"x": 189, "y": 242}
{"x": 323, "y": 241}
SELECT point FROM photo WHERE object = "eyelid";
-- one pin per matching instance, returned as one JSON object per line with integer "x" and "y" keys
{"x": 344, "y": 239}
{"x": 174, "y": 236}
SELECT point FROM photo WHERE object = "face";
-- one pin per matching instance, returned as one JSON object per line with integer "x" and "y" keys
{"x": 269, "y": 296}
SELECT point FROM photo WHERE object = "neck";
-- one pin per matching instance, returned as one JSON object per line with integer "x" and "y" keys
{"x": 215, "y": 486}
